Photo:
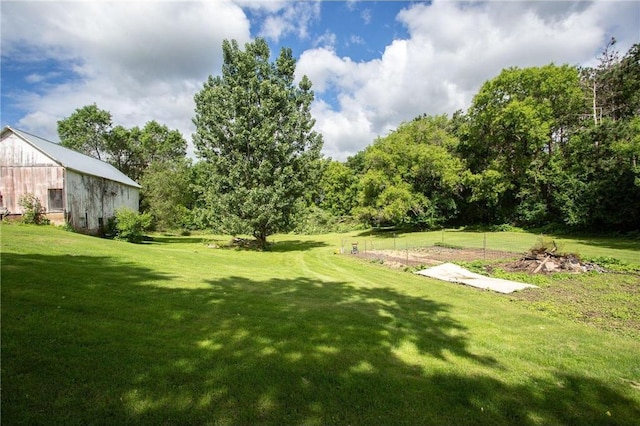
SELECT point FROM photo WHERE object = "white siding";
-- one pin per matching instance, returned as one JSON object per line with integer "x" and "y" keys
{"x": 90, "y": 199}
{"x": 24, "y": 169}
{"x": 16, "y": 152}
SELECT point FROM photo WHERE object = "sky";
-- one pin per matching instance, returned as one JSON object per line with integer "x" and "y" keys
{"x": 373, "y": 65}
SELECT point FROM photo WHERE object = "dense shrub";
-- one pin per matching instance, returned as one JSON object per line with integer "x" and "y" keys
{"x": 130, "y": 225}
{"x": 109, "y": 230}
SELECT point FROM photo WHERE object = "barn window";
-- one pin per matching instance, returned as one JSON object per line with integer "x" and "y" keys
{"x": 55, "y": 200}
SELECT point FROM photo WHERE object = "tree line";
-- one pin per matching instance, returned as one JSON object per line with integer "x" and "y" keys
{"x": 556, "y": 145}
{"x": 540, "y": 146}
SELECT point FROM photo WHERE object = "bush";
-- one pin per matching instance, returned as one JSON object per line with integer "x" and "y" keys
{"x": 109, "y": 229}
{"x": 130, "y": 225}
{"x": 34, "y": 211}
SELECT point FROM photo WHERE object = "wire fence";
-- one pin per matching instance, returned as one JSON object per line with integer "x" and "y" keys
{"x": 445, "y": 245}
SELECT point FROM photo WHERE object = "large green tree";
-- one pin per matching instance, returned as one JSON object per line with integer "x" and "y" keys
{"x": 87, "y": 131}
{"x": 411, "y": 176}
{"x": 90, "y": 130}
{"x": 519, "y": 125}
{"x": 254, "y": 126}
{"x": 601, "y": 177}
{"x": 134, "y": 150}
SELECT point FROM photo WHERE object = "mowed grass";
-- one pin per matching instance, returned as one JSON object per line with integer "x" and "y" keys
{"x": 178, "y": 332}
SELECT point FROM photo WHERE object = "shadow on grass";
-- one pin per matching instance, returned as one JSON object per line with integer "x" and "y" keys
{"x": 162, "y": 239}
{"x": 386, "y": 232}
{"x": 610, "y": 243}
{"x": 89, "y": 340}
{"x": 250, "y": 244}
{"x": 242, "y": 243}
{"x": 294, "y": 245}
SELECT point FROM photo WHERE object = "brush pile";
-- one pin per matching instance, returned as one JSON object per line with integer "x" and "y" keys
{"x": 544, "y": 258}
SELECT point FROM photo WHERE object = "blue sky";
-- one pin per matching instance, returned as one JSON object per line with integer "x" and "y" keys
{"x": 358, "y": 30}
{"x": 373, "y": 64}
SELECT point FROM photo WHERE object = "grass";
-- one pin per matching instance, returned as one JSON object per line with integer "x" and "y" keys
{"x": 176, "y": 332}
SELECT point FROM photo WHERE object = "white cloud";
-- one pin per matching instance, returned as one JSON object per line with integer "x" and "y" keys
{"x": 451, "y": 50}
{"x": 289, "y": 18}
{"x": 38, "y": 77}
{"x": 366, "y": 16}
{"x": 356, "y": 39}
{"x": 346, "y": 131}
{"x": 146, "y": 60}
{"x": 328, "y": 39}
{"x": 139, "y": 60}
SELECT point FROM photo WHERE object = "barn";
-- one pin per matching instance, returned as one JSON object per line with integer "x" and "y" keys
{"x": 72, "y": 187}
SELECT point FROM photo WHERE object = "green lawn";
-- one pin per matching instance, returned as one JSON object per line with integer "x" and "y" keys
{"x": 178, "y": 332}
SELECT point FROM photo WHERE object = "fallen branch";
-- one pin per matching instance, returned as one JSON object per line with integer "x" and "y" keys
{"x": 542, "y": 264}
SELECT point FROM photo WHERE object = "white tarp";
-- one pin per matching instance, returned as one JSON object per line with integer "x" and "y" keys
{"x": 457, "y": 274}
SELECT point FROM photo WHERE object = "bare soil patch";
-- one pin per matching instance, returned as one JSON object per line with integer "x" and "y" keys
{"x": 434, "y": 255}
{"x": 532, "y": 263}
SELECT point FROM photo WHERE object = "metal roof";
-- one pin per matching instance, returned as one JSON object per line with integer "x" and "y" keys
{"x": 74, "y": 160}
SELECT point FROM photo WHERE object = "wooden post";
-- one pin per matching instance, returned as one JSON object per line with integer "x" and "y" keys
{"x": 484, "y": 246}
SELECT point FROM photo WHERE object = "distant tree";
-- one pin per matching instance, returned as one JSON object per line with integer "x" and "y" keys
{"x": 601, "y": 178}
{"x": 411, "y": 176}
{"x": 87, "y": 131}
{"x": 338, "y": 188}
{"x": 254, "y": 127}
{"x": 133, "y": 151}
{"x": 520, "y": 123}
{"x": 125, "y": 152}
{"x": 158, "y": 159}
{"x": 613, "y": 85}
{"x": 90, "y": 130}
{"x": 167, "y": 193}
{"x": 159, "y": 143}
{"x": 627, "y": 76}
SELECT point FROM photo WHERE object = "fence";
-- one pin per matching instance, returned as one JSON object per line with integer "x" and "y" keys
{"x": 414, "y": 249}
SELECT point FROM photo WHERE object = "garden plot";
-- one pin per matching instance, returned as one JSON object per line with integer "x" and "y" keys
{"x": 532, "y": 263}
{"x": 435, "y": 255}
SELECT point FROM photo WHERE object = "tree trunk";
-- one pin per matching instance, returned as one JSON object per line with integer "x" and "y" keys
{"x": 261, "y": 238}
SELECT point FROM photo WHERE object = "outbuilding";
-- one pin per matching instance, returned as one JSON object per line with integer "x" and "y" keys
{"x": 72, "y": 187}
